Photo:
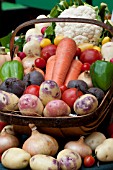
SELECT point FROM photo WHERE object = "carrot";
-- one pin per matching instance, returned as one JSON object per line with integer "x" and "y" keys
{"x": 74, "y": 71}
{"x": 49, "y": 67}
{"x": 65, "y": 53}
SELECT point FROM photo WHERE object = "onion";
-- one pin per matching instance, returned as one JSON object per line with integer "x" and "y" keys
{"x": 32, "y": 68}
{"x": 7, "y": 141}
{"x": 39, "y": 143}
{"x": 8, "y": 129}
{"x": 28, "y": 61}
{"x": 79, "y": 146}
{"x": 85, "y": 76}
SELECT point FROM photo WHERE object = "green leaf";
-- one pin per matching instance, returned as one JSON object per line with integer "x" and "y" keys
{"x": 20, "y": 42}
{"x": 4, "y": 41}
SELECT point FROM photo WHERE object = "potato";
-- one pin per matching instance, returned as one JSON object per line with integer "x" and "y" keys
{"x": 56, "y": 108}
{"x": 32, "y": 48}
{"x": 8, "y": 101}
{"x": 69, "y": 159}
{"x": 104, "y": 152}
{"x": 107, "y": 51}
{"x": 49, "y": 90}
{"x": 85, "y": 104}
{"x": 94, "y": 139}
{"x": 30, "y": 105}
{"x": 43, "y": 162}
{"x": 15, "y": 158}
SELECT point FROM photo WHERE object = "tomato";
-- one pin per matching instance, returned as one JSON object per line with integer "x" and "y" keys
{"x": 22, "y": 55}
{"x": 85, "y": 67}
{"x": 111, "y": 60}
{"x": 43, "y": 30}
{"x": 40, "y": 63}
{"x": 89, "y": 161}
{"x": 32, "y": 89}
{"x": 63, "y": 88}
{"x": 90, "y": 56}
{"x": 70, "y": 95}
{"x": 48, "y": 51}
{"x": 78, "y": 52}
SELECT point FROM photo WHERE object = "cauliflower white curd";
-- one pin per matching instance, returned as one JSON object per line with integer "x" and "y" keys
{"x": 80, "y": 32}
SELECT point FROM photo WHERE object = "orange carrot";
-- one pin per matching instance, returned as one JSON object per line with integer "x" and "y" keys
{"x": 49, "y": 67}
{"x": 65, "y": 53}
{"x": 74, "y": 71}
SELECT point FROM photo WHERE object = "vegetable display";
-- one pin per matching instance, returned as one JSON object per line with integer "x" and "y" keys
{"x": 60, "y": 71}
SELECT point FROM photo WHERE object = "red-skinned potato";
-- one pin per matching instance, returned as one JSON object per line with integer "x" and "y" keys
{"x": 30, "y": 105}
{"x": 48, "y": 51}
{"x": 56, "y": 108}
{"x": 90, "y": 56}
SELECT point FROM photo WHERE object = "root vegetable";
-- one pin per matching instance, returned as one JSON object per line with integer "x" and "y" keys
{"x": 39, "y": 26}
{"x": 107, "y": 51}
{"x": 49, "y": 90}
{"x": 8, "y": 129}
{"x": 56, "y": 108}
{"x": 85, "y": 76}
{"x": 79, "y": 146}
{"x": 8, "y": 101}
{"x": 94, "y": 139}
{"x": 7, "y": 141}
{"x": 39, "y": 143}
{"x": 104, "y": 151}
{"x": 32, "y": 33}
{"x": 69, "y": 159}
{"x": 43, "y": 162}
{"x": 15, "y": 158}
{"x": 32, "y": 48}
{"x": 31, "y": 105}
{"x": 29, "y": 61}
{"x": 85, "y": 104}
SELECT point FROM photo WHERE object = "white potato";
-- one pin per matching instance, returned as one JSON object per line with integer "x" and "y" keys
{"x": 43, "y": 162}
{"x": 85, "y": 104}
{"x": 8, "y": 101}
{"x": 69, "y": 159}
{"x": 15, "y": 158}
{"x": 104, "y": 152}
{"x": 107, "y": 51}
{"x": 94, "y": 139}
{"x": 32, "y": 48}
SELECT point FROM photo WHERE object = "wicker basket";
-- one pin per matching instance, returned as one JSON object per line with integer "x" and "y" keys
{"x": 63, "y": 126}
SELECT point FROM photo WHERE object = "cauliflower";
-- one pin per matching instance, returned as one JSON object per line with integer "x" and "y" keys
{"x": 80, "y": 32}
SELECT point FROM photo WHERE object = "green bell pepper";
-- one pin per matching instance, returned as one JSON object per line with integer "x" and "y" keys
{"x": 102, "y": 74}
{"x": 11, "y": 69}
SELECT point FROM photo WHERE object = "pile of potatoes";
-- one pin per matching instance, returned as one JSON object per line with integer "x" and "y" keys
{"x": 65, "y": 158}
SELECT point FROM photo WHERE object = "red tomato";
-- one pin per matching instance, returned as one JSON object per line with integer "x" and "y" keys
{"x": 48, "y": 51}
{"x": 63, "y": 88}
{"x": 70, "y": 95}
{"x": 32, "y": 89}
{"x": 22, "y": 55}
{"x": 85, "y": 67}
{"x": 40, "y": 63}
{"x": 90, "y": 56}
{"x": 89, "y": 161}
{"x": 43, "y": 30}
{"x": 78, "y": 52}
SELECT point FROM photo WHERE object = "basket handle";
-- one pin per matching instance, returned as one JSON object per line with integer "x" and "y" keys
{"x": 45, "y": 20}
